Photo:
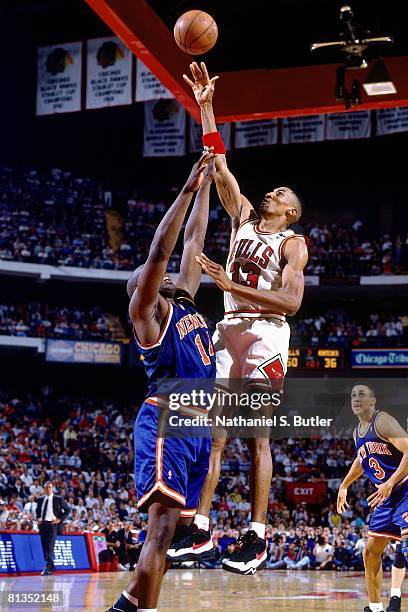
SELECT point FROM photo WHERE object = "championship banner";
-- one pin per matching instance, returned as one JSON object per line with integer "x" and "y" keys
{"x": 59, "y": 78}
{"x": 379, "y": 358}
{"x": 311, "y": 493}
{"x": 303, "y": 129}
{"x": 344, "y": 126}
{"x": 256, "y": 133}
{"x": 148, "y": 87}
{"x": 392, "y": 121}
{"x": 196, "y": 132}
{"x": 73, "y": 351}
{"x": 109, "y": 73}
{"x": 164, "y": 129}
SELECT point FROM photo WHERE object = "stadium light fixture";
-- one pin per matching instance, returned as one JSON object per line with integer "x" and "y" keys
{"x": 378, "y": 81}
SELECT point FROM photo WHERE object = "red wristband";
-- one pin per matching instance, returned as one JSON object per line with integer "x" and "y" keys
{"x": 214, "y": 139}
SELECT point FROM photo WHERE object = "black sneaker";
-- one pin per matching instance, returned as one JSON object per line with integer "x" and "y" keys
{"x": 249, "y": 555}
{"x": 395, "y": 604}
{"x": 197, "y": 545}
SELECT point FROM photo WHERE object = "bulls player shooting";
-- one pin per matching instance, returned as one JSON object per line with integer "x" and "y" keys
{"x": 382, "y": 454}
{"x": 262, "y": 284}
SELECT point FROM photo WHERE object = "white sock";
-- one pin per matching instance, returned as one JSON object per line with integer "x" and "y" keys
{"x": 259, "y": 529}
{"x": 376, "y": 607}
{"x": 130, "y": 598}
{"x": 395, "y": 592}
{"x": 202, "y": 522}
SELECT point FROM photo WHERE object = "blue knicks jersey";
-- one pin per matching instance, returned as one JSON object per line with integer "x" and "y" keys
{"x": 183, "y": 349}
{"x": 378, "y": 457}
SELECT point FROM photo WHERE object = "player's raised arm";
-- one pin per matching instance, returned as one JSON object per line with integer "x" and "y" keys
{"x": 237, "y": 206}
{"x": 147, "y": 308}
{"x": 194, "y": 235}
{"x": 353, "y": 474}
{"x": 389, "y": 429}
{"x": 287, "y": 299}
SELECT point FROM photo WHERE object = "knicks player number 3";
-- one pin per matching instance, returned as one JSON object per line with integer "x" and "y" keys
{"x": 378, "y": 471}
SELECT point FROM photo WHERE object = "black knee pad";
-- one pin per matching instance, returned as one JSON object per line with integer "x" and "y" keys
{"x": 399, "y": 561}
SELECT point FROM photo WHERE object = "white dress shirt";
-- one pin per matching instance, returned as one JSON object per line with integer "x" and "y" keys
{"x": 49, "y": 515}
{"x": 30, "y": 507}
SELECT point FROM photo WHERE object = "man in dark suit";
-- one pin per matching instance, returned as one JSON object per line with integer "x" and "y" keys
{"x": 51, "y": 511}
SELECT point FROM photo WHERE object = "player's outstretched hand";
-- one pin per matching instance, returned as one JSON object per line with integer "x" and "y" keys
{"x": 197, "y": 173}
{"x": 342, "y": 503}
{"x": 377, "y": 498}
{"x": 209, "y": 172}
{"x": 202, "y": 86}
{"x": 216, "y": 271}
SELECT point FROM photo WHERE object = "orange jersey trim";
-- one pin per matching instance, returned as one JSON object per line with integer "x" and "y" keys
{"x": 160, "y": 486}
{"x": 188, "y": 513}
{"x": 378, "y": 534}
{"x": 166, "y": 324}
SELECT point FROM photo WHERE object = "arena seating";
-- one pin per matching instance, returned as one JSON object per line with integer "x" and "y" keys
{"x": 86, "y": 451}
{"x": 59, "y": 219}
{"x": 335, "y": 327}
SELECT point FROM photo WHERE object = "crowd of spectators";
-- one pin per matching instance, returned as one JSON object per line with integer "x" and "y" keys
{"x": 56, "y": 218}
{"x": 339, "y": 251}
{"x": 336, "y": 327}
{"x": 50, "y": 321}
{"x": 84, "y": 446}
{"x": 53, "y": 218}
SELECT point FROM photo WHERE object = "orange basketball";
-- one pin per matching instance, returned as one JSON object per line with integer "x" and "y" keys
{"x": 195, "y": 32}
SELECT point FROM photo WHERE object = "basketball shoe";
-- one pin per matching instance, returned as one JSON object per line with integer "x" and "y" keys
{"x": 249, "y": 555}
{"x": 196, "y": 545}
{"x": 395, "y": 604}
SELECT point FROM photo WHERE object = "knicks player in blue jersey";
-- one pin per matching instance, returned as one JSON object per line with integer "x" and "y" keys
{"x": 382, "y": 454}
{"x": 175, "y": 343}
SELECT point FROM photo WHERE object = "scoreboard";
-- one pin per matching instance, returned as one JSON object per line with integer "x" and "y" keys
{"x": 316, "y": 358}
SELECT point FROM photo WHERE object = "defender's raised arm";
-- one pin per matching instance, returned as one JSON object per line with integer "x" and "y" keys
{"x": 147, "y": 307}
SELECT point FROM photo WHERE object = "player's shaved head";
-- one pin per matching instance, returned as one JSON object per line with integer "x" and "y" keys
{"x": 299, "y": 203}
{"x": 167, "y": 286}
{"x": 364, "y": 388}
{"x": 133, "y": 280}
{"x": 282, "y": 201}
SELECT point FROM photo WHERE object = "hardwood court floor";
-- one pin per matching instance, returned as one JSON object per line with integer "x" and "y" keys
{"x": 191, "y": 590}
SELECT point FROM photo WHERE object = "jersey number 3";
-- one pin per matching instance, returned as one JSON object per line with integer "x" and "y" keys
{"x": 199, "y": 344}
{"x": 378, "y": 471}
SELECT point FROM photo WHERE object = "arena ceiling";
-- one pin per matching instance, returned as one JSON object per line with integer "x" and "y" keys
{"x": 262, "y": 53}
{"x": 277, "y": 33}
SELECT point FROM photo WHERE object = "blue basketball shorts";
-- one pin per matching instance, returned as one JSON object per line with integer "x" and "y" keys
{"x": 390, "y": 519}
{"x": 175, "y": 466}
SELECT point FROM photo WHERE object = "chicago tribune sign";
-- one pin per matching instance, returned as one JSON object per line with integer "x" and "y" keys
{"x": 379, "y": 358}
